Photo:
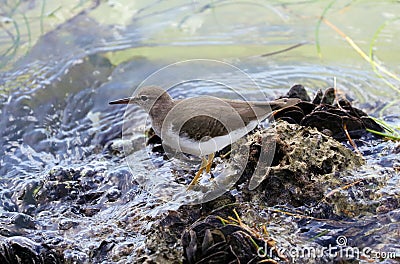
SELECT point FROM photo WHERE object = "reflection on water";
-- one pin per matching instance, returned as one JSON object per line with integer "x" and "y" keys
{"x": 55, "y": 114}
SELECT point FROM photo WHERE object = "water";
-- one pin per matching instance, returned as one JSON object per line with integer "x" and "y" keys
{"x": 62, "y": 62}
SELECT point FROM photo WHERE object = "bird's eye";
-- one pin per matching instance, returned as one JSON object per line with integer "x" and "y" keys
{"x": 143, "y": 98}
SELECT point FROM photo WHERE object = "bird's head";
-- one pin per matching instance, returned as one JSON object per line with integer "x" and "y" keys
{"x": 147, "y": 97}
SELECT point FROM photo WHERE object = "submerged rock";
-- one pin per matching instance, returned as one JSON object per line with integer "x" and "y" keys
{"x": 18, "y": 249}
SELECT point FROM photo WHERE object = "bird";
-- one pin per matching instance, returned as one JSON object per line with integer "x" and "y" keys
{"x": 201, "y": 125}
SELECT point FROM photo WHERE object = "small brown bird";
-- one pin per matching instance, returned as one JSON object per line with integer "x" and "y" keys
{"x": 201, "y": 125}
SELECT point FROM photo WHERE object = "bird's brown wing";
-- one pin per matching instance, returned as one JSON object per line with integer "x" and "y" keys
{"x": 252, "y": 110}
{"x": 204, "y": 117}
{"x": 202, "y": 128}
{"x": 224, "y": 116}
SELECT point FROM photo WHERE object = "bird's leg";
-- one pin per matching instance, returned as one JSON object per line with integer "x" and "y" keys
{"x": 198, "y": 174}
{"x": 226, "y": 154}
{"x": 210, "y": 162}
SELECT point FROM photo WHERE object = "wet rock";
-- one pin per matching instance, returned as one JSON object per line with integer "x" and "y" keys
{"x": 63, "y": 174}
{"x": 120, "y": 177}
{"x": 397, "y": 149}
{"x": 163, "y": 240}
{"x": 324, "y": 114}
{"x": 25, "y": 197}
{"x": 100, "y": 253}
{"x": 15, "y": 250}
{"x": 65, "y": 224}
{"x": 302, "y": 156}
{"x": 219, "y": 206}
{"x": 113, "y": 194}
{"x": 90, "y": 196}
{"x": 298, "y": 91}
{"x": 126, "y": 248}
{"x": 7, "y": 204}
{"x": 81, "y": 185}
{"x": 89, "y": 210}
{"x": 15, "y": 224}
{"x": 212, "y": 241}
{"x": 329, "y": 96}
{"x": 23, "y": 221}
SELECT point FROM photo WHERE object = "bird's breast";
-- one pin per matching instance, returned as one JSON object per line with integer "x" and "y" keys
{"x": 204, "y": 136}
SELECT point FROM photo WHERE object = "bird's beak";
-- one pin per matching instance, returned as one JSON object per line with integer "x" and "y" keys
{"x": 129, "y": 100}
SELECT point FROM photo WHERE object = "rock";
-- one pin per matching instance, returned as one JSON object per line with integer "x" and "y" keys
{"x": 15, "y": 250}
{"x": 302, "y": 157}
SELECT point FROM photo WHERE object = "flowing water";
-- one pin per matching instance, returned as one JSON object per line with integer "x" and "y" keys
{"x": 63, "y": 61}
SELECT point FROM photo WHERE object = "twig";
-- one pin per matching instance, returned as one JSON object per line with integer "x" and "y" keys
{"x": 283, "y": 50}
